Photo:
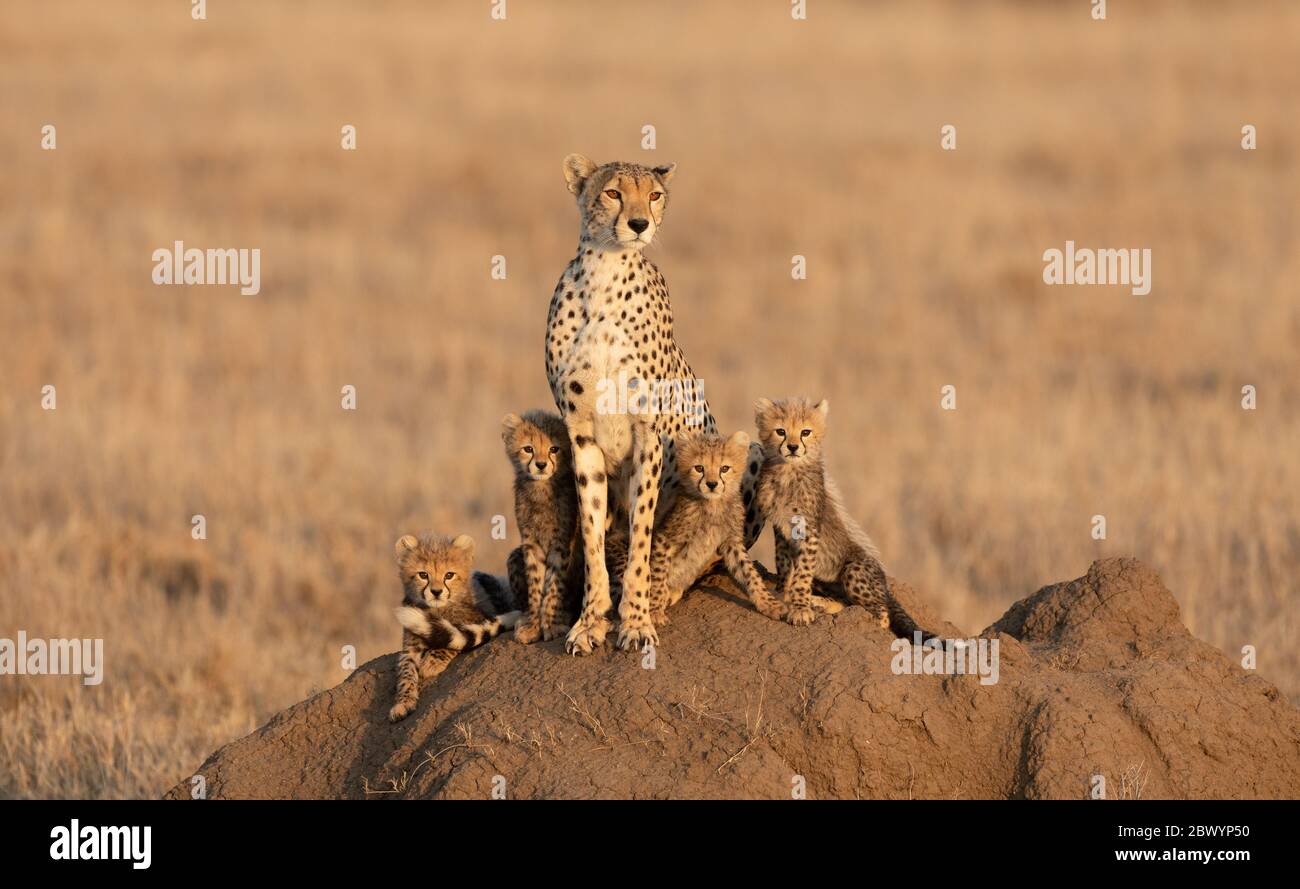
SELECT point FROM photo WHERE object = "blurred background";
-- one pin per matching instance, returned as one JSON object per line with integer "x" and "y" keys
{"x": 818, "y": 138}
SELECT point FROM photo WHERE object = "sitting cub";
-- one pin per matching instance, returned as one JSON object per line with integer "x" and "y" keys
{"x": 447, "y": 608}
{"x": 706, "y": 521}
{"x": 546, "y": 509}
{"x": 547, "y": 569}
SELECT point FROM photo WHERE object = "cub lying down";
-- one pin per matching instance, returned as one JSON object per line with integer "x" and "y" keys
{"x": 447, "y": 607}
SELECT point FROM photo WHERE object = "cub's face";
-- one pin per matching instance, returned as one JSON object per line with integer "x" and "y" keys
{"x": 434, "y": 570}
{"x": 622, "y": 205}
{"x": 710, "y": 467}
{"x": 792, "y": 429}
{"x": 536, "y": 449}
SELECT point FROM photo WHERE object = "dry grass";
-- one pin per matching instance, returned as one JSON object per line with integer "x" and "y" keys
{"x": 819, "y": 138}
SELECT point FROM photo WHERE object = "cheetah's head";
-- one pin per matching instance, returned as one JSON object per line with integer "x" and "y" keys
{"x": 536, "y": 443}
{"x": 710, "y": 467}
{"x": 791, "y": 430}
{"x": 622, "y": 205}
{"x": 434, "y": 570}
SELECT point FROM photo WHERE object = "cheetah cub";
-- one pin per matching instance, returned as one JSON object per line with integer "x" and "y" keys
{"x": 447, "y": 608}
{"x": 546, "y": 509}
{"x": 706, "y": 521}
{"x": 814, "y": 534}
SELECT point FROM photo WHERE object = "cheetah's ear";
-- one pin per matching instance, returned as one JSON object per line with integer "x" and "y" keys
{"x": 465, "y": 544}
{"x": 509, "y": 423}
{"x": 739, "y": 440}
{"x": 761, "y": 407}
{"x": 665, "y": 173}
{"x": 823, "y": 407}
{"x": 405, "y": 544}
{"x": 577, "y": 170}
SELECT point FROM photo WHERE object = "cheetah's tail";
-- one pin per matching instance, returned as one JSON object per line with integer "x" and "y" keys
{"x": 497, "y": 595}
{"x": 903, "y": 626}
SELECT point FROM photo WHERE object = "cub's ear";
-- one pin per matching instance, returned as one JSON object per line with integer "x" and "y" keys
{"x": 665, "y": 173}
{"x": 761, "y": 407}
{"x": 577, "y": 170}
{"x": 465, "y": 544}
{"x": 823, "y": 407}
{"x": 739, "y": 440}
{"x": 509, "y": 423}
{"x": 405, "y": 544}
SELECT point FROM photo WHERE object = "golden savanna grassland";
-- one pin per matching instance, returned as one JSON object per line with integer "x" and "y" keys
{"x": 818, "y": 138}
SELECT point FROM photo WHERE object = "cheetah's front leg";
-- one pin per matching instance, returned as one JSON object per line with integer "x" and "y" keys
{"x": 408, "y": 685}
{"x": 529, "y": 629}
{"x": 799, "y": 582}
{"x": 742, "y": 570}
{"x": 554, "y": 619}
{"x": 636, "y": 626}
{"x": 589, "y": 469}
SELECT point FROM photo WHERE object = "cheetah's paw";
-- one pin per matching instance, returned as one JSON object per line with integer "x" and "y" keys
{"x": 637, "y": 633}
{"x": 587, "y": 635}
{"x": 772, "y": 608}
{"x": 824, "y": 605}
{"x": 528, "y": 631}
{"x": 801, "y": 615}
{"x": 400, "y": 711}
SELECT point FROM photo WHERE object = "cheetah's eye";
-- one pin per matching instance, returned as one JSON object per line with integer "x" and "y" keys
{"x": 805, "y": 433}
{"x": 612, "y": 193}
{"x": 449, "y": 575}
{"x": 528, "y": 449}
{"x": 780, "y": 432}
{"x": 724, "y": 470}
{"x": 656, "y": 195}
{"x": 554, "y": 449}
{"x": 699, "y": 468}
{"x": 423, "y": 575}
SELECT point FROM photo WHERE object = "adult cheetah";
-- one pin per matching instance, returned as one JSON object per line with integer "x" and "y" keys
{"x": 609, "y": 352}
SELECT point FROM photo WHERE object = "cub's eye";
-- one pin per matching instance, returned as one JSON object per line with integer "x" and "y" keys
{"x": 449, "y": 575}
{"x": 656, "y": 195}
{"x": 805, "y": 433}
{"x": 612, "y": 193}
{"x": 554, "y": 449}
{"x": 423, "y": 575}
{"x": 699, "y": 468}
{"x": 528, "y": 449}
{"x": 724, "y": 470}
{"x": 780, "y": 432}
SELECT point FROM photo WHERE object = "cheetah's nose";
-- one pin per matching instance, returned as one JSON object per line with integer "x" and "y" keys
{"x": 541, "y": 466}
{"x": 792, "y": 448}
{"x": 638, "y": 225}
{"x": 713, "y": 486}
